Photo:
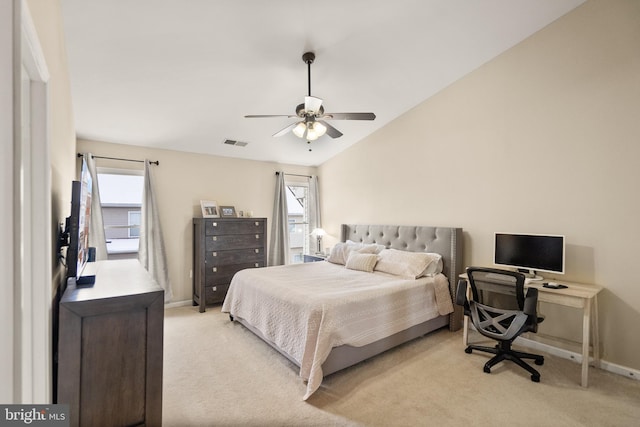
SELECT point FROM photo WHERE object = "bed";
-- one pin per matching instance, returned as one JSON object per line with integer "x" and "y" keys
{"x": 325, "y": 317}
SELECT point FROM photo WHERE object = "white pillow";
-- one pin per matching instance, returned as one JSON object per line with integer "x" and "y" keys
{"x": 407, "y": 264}
{"x": 361, "y": 262}
{"x": 435, "y": 266}
{"x": 340, "y": 252}
{"x": 337, "y": 253}
{"x": 371, "y": 248}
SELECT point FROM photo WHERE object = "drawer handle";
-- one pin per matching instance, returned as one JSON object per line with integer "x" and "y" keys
{"x": 215, "y": 269}
{"x": 215, "y": 238}
{"x": 257, "y": 236}
{"x": 257, "y": 265}
{"x": 214, "y": 253}
{"x": 257, "y": 251}
{"x": 215, "y": 224}
{"x": 257, "y": 223}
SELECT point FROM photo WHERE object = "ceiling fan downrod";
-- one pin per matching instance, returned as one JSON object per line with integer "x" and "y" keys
{"x": 308, "y": 58}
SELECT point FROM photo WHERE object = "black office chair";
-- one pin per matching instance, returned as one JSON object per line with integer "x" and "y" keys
{"x": 499, "y": 310}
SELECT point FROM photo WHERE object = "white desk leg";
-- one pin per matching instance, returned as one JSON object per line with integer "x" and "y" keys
{"x": 465, "y": 331}
{"x": 586, "y": 322}
{"x": 596, "y": 335}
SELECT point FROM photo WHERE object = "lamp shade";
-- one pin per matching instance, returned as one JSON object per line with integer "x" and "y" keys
{"x": 315, "y": 130}
{"x": 299, "y": 129}
{"x": 318, "y": 232}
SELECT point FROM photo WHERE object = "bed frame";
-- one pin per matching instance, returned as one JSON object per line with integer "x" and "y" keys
{"x": 446, "y": 241}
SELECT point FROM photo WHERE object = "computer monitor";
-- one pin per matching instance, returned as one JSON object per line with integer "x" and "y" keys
{"x": 530, "y": 253}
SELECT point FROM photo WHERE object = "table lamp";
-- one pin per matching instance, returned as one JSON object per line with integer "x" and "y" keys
{"x": 318, "y": 233}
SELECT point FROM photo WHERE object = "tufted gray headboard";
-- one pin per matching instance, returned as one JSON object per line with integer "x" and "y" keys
{"x": 446, "y": 241}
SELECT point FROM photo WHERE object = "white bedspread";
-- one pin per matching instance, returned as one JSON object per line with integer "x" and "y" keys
{"x": 307, "y": 309}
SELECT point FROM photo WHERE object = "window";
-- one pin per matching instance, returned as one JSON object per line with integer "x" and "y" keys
{"x": 298, "y": 218}
{"x": 134, "y": 224}
{"x": 121, "y": 201}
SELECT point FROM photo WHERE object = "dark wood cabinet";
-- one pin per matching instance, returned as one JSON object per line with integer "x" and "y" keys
{"x": 221, "y": 248}
{"x": 110, "y": 348}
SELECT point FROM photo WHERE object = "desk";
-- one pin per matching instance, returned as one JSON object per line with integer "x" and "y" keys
{"x": 577, "y": 295}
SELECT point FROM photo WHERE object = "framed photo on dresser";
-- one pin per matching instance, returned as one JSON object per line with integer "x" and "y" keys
{"x": 228, "y": 212}
{"x": 209, "y": 209}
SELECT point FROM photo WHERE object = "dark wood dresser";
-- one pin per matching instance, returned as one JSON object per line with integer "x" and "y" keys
{"x": 110, "y": 348}
{"x": 221, "y": 248}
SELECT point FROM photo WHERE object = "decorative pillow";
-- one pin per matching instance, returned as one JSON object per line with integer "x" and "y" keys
{"x": 362, "y": 262}
{"x": 406, "y": 264}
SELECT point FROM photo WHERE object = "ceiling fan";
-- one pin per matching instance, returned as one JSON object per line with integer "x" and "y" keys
{"x": 313, "y": 124}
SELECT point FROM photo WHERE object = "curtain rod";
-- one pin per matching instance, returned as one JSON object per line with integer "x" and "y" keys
{"x": 293, "y": 174}
{"x": 157, "y": 162}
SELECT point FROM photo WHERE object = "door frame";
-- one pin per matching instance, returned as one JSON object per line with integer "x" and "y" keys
{"x": 26, "y": 261}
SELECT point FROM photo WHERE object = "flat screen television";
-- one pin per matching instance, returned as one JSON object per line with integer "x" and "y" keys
{"x": 77, "y": 228}
{"x": 530, "y": 253}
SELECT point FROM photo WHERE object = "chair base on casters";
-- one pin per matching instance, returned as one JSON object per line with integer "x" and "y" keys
{"x": 504, "y": 351}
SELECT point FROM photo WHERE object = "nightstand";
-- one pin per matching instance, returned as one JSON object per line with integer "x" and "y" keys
{"x": 313, "y": 258}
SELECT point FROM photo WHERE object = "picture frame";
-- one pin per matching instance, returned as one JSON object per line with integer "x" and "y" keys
{"x": 228, "y": 212}
{"x": 209, "y": 209}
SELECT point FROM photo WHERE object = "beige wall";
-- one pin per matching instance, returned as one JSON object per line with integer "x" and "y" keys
{"x": 47, "y": 19}
{"x": 542, "y": 139}
{"x": 182, "y": 180}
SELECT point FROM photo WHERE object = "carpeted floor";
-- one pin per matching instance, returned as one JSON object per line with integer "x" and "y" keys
{"x": 217, "y": 373}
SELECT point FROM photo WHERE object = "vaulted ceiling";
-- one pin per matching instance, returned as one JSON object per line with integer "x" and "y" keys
{"x": 182, "y": 74}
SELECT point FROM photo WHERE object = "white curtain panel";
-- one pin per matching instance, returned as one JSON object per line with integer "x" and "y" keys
{"x": 96, "y": 226}
{"x": 151, "y": 251}
{"x": 314, "y": 204}
{"x": 279, "y": 244}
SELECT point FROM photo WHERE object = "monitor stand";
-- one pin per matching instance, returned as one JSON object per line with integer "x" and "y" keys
{"x": 82, "y": 281}
{"x": 530, "y": 274}
{"x": 87, "y": 278}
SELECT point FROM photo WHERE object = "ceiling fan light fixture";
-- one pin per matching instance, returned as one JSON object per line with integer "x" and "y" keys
{"x": 315, "y": 130}
{"x": 299, "y": 129}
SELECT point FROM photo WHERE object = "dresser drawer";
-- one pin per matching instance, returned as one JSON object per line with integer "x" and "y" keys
{"x": 244, "y": 226}
{"x": 239, "y": 256}
{"x": 213, "y": 294}
{"x": 224, "y": 274}
{"x": 234, "y": 241}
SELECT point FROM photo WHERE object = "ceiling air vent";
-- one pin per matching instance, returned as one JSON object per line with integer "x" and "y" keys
{"x": 236, "y": 143}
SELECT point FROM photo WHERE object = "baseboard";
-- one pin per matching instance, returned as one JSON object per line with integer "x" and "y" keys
{"x": 178, "y": 304}
{"x": 577, "y": 357}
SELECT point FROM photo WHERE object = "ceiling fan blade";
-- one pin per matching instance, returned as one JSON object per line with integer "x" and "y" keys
{"x": 285, "y": 130}
{"x": 260, "y": 116}
{"x": 311, "y": 103}
{"x": 349, "y": 116}
{"x": 331, "y": 131}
